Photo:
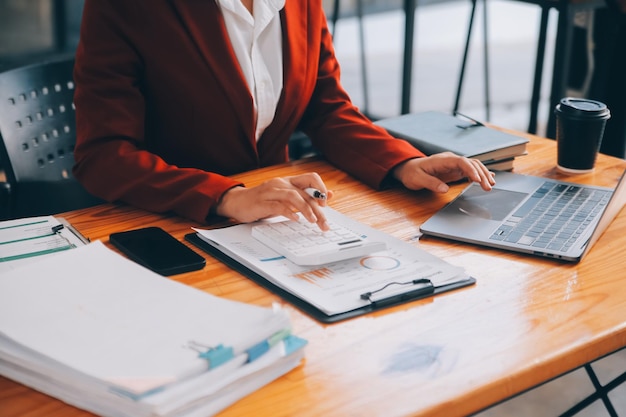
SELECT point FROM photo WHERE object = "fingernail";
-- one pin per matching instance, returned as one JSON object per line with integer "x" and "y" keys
{"x": 442, "y": 188}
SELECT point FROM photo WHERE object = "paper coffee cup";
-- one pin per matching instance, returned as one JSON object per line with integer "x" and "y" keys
{"x": 580, "y": 127}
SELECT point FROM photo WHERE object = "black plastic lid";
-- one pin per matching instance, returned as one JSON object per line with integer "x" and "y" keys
{"x": 582, "y": 108}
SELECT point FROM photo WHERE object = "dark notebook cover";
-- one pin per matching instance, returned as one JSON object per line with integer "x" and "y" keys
{"x": 433, "y": 132}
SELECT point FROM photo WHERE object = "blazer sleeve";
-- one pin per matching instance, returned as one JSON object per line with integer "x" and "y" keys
{"x": 339, "y": 130}
{"x": 112, "y": 159}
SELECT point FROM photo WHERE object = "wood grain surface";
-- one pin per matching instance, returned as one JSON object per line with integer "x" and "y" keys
{"x": 527, "y": 319}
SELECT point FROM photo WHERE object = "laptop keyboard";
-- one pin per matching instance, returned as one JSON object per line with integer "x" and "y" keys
{"x": 553, "y": 217}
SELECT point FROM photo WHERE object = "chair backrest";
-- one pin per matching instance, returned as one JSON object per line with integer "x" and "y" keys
{"x": 37, "y": 132}
{"x": 37, "y": 122}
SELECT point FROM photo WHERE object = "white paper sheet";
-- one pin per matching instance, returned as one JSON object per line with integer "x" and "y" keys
{"x": 99, "y": 314}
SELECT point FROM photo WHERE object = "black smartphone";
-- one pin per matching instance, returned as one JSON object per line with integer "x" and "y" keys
{"x": 157, "y": 250}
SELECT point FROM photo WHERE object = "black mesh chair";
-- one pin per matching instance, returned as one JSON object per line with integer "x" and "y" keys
{"x": 37, "y": 128}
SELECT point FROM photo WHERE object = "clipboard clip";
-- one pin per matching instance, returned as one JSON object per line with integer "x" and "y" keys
{"x": 416, "y": 288}
{"x": 56, "y": 231}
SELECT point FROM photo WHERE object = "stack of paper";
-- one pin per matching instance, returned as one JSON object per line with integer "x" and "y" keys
{"x": 100, "y": 332}
{"x": 434, "y": 132}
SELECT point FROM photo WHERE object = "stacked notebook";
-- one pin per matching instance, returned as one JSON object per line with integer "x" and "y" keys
{"x": 98, "y": 331}
{"x": 434, "y": 132}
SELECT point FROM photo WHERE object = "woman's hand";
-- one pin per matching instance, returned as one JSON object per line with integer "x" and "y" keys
{"x": 277, "y": 197}
{"x": 435, "y": 171}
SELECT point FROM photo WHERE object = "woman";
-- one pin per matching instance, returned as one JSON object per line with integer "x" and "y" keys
{"x": 172, "y": 96}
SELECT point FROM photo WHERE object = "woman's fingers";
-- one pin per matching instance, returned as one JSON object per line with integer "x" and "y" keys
{"x": 278, "y": 196}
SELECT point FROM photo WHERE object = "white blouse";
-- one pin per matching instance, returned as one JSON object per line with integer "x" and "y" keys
{"x": 257, "y": 42}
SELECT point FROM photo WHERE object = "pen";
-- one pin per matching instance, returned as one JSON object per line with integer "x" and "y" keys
{"x": 315, "y": 193}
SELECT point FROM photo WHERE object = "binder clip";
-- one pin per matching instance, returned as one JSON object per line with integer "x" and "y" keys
{"x": 260, "y": 349}
{"x": 215, "y": 356}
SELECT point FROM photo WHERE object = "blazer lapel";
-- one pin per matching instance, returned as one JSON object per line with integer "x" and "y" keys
{"x": 295, "y": 54}
{"x": 207, "y": 29}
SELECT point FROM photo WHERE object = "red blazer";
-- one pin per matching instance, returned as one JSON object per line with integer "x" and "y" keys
{"x": 164, "y": 114}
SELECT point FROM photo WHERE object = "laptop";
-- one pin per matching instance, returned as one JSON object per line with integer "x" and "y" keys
{"x": 528, "y": 214}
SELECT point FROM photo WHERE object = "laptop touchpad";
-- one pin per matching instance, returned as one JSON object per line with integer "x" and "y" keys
{"x": 492, "y": 205}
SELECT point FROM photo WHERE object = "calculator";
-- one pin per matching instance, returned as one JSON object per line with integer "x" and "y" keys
{"x": 303, "y": 243}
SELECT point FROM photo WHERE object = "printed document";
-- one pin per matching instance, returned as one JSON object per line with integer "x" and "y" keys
{"x": 335, "y": 287}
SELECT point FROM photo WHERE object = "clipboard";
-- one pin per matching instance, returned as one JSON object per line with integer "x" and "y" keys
{"x": 24, "y": 238}
{"x": 304, "y": 305}
{"x": 366, "y": 297}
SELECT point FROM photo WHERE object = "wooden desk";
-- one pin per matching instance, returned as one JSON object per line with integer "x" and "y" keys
{"x": 527, "y": 320}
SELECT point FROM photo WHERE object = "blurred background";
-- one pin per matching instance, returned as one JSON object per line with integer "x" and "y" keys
{"x": 369, "y": 39}
{"x": 439, "y": 39}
